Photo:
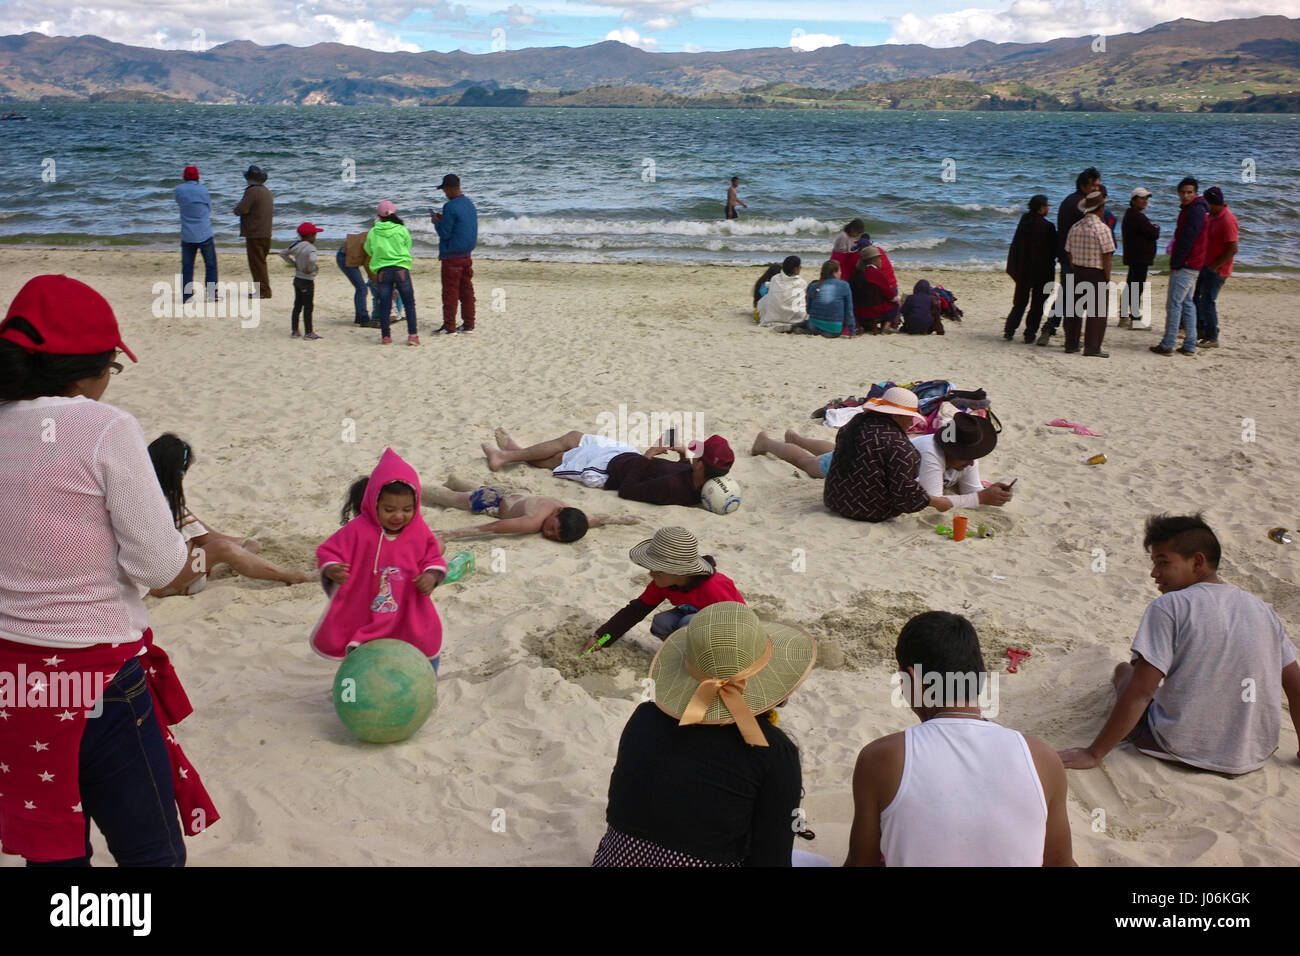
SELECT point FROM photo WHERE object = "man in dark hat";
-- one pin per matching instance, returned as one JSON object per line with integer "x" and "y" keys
{"x": 256, "y": 211}
{"x": 1031, "y": 262}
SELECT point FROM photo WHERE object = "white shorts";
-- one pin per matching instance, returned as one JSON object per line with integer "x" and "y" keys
{"x": 589, "y": 461}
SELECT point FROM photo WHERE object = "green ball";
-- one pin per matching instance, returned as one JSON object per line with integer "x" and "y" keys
{"x": 385, "y": 690}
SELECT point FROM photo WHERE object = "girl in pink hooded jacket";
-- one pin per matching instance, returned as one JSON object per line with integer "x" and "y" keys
{"x": 380, "y": 568}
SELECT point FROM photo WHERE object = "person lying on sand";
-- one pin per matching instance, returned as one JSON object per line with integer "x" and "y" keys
{"x": 949, "y": 470}
{"x": 1203, "y": 686}
{"x": 517, "y": 513}
{"x": 600, "y": 462}
{"x": 957, "y": 789}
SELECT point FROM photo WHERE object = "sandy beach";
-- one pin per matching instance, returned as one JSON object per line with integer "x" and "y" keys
{"x": 514, "y": 765}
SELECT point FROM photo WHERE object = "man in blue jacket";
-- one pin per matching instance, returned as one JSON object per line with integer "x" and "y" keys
{"x": 457, "y": 228}
{"x": 196, "y": 232}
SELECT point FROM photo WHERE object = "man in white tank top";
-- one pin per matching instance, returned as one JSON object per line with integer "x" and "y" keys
{"x": 957, "y": 790}
{"x": 1210, "y": 665}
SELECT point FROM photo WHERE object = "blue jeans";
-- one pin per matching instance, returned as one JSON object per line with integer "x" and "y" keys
{"x": 359, "y": 286}
{"x": 666, "y": 622}
{"x": 126, "y": 779}
{"x": 400, "y": 279}
{"x": 209, "y": 249}
{"x": 1180, "y": 310}
{"x": 1208, "y": 284}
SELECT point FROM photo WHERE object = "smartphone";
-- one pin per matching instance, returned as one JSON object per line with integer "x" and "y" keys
{"x": 1013, "y": 483}
{"x": 670, "y": 438}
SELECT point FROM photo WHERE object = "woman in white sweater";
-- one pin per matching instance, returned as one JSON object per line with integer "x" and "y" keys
{"x": 84, "y": 533}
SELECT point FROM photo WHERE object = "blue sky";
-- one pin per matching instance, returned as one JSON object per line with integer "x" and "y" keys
{"x": 670, "y": 26}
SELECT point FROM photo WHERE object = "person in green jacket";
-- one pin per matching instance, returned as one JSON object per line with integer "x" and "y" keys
{"x": 389, "y": 247}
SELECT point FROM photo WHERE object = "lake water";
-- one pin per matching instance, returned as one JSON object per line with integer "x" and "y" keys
{"x": 941, "y": 189}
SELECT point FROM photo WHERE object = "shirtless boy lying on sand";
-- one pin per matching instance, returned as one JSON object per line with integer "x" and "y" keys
{"x": 516, "y": 513}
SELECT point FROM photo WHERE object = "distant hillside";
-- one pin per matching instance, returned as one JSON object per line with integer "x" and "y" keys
{"x": 1184, "y": 64}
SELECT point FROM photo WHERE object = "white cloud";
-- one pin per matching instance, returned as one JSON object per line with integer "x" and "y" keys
{"x": 632, "y": 38}
{"x": 172, "y": 25}
{"x": 807, "y": 42}
{"x": 1035, "y": 21}
{"x": 689, "y": 47}
{"x": 516, "y": 16}
{"x": 662, "y": 23}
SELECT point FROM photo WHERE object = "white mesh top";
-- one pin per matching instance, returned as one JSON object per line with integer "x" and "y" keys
{"x": 85, "y": 530}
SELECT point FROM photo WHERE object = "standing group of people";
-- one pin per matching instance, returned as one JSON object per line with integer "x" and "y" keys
{"x": 1083, "y": 241}
{"x": 382, "y": 252}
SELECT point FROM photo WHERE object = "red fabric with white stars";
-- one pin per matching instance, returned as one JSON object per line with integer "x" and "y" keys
{"x": 40, "y": 746}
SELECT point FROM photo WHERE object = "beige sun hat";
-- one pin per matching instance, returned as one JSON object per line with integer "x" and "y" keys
{"x": 896, "y": 401}
{"x": 726, "y": 666}
{"x": 671, "y": 551}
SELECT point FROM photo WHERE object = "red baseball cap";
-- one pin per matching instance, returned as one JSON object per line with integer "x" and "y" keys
{"x": 191, "y": 172}
{"x": 715, "y": 451}
{"x": 307, "y": 229}
{"x": 69, "y": 316}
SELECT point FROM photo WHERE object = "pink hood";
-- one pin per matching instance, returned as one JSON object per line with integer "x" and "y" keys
{"x": 379, "y": 598}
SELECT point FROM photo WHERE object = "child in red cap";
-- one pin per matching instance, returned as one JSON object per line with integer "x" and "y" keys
{"x": 302, "y": 255}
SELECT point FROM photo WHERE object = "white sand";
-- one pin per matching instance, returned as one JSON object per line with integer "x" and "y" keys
{"x": 266, "y": 416}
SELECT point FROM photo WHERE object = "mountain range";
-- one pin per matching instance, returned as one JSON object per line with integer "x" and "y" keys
{"x": 1180, "y": 65}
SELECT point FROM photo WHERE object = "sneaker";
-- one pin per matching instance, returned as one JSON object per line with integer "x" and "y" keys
{"x": 386, "y": 340}
{"x": 1069, "y": 351}
{"x": 295, "y": 334}
{"x": 1044, "y": 338}
{"x": 1208, "y": 344}
{"x": 374, "y": 325}
{"x": 443, "y": 330}
{"x": 1191, "y": 353}
{"x": 1096, "y": 355}
{"x": 311, "y": 335}
{"x": 465, "y": 328}
{"x": 412, "y": 340}
{"x": 1160, "y": 351}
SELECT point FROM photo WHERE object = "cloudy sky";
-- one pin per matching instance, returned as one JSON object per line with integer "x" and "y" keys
{"x": 662, "y": 25}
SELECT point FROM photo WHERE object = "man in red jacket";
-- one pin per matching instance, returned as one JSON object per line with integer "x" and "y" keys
{"x": 1220, "y": 249}
{"x": 1185, "y": 264}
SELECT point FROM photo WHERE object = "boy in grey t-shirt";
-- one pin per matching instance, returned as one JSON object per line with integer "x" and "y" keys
{"x": 1222, "y": 654}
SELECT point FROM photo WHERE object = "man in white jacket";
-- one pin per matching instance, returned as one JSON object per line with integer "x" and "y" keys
{"x": 785, "y": 302}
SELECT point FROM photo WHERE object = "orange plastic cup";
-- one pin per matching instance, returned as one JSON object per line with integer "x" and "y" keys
{"x": 959, "y": 528}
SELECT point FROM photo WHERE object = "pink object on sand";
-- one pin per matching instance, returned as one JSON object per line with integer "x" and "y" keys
{"x": 1074, "y": 427}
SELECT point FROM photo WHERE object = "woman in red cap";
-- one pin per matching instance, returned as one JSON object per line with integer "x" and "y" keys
{"x": 84, "y": 532}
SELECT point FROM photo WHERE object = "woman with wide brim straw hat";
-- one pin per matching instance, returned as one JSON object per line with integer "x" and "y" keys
{"x": 703, "y": 777}
{"x": 84, "y": 530}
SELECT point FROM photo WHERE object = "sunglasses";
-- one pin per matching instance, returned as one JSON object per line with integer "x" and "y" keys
{"x": 115, "y": 368}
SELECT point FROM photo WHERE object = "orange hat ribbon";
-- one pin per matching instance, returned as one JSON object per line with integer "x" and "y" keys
{"x": 732, "y": 691}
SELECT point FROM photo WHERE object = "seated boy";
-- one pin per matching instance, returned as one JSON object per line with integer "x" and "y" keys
{"x": 957, "y": 789}
{"x": 1221, "y": 654}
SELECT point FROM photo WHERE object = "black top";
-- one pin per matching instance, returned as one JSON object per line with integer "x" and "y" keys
{"x": 1032, "y": 256}
{"x": 656, "y": 481}
{"x": 1140, "y": 235}
{"x": 703, "y": 791}
{"x": 1067, "y": 214}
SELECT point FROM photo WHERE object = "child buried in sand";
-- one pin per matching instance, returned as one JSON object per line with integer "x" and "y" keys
{"x": 380, "y": 568}
{"x": 171, "y": 459}
{"x": 517, "y": 513}
{"x": 677, "y": 574}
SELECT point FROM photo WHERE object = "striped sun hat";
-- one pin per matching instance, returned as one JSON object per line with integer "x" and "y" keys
{"x": 726, "y": 666}
{"x": 671, "y": 551}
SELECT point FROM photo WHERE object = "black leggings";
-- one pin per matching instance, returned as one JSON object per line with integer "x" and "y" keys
{"x": 303, "y": 292}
